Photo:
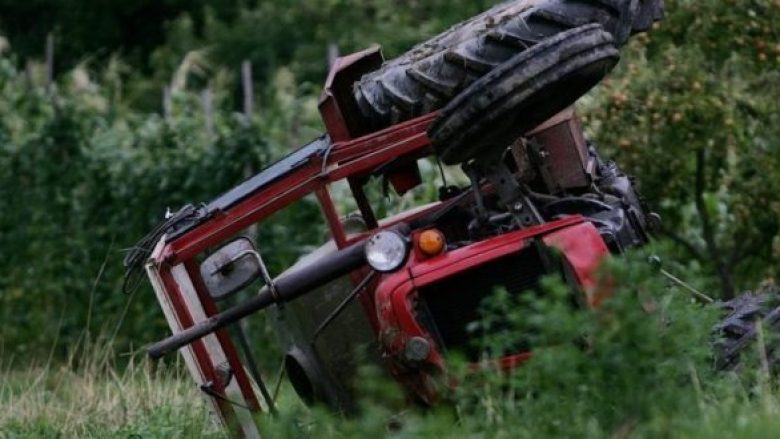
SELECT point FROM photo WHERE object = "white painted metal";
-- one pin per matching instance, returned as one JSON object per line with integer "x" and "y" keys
{"x": 214, "y": 350}
{"x": 187, "y": 352}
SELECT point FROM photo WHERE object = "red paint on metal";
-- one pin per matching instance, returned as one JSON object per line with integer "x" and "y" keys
{"x": 578, "y": 240}
{"x": 405, "y": 179}
{"x": 332, "y": 217}
{"x": 390, "y": 307}
{"x": 226, "y": 224}
{"x": 568, "y": 164}
{"x": 370, "y": 160}
{"x": 337, "y": 107}
{"x": 207, "y": 368}
{"x": 224, "y": 338}
{"x": 345, "y": 159}
{"x": 513, "y": 361}
{"x": 584, "y": 250}
{"x": 387, "y": 139}
{"x": 504, "y": 364}
{"x": 475, "y": 254}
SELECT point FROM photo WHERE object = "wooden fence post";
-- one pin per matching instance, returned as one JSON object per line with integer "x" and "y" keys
{"x": 49, "y": 59}
{"x": 247, "y": 87}
{"x": 29, "y": 74}
{"x": 167, "y": 104}
{"x": 248, "y": 91}
{"x": 208, "y": 112}
{"x": 333, "y": 55}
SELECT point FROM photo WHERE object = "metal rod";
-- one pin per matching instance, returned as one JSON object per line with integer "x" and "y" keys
{"x": 656, "y": 262}
{"x": 208, "y": 112}
{"x": 167, "y": 103}
{"x": 253, "y": 369}
{"x": 340, "y": 308}
{"x": 279, "y": 377}
{"x": 333, "y": 55}
{"x": 49, "y": 59}
{"x": 264, "y": 273}
{"x": 698, "y": 294}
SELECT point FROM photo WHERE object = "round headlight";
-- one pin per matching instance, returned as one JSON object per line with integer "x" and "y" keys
{"x": 386, "y": 251}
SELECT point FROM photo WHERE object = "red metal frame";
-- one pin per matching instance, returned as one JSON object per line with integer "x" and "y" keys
{"x": 388, "y": 308}
{"x": 200, "y": 360}
{"x": 346, "y": 157}
{"x": 208, "y": 369}
{"x": 358, "y": 156}
{"x": 579, "y": 242}
{"x": 224, "y": 338}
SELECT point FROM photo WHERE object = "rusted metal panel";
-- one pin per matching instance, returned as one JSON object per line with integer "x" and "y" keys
{"x": 564, "y": 152}
{"x": 337, "y": 107}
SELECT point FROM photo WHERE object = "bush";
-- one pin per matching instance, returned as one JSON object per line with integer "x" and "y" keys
{"x": 692, "y": 111}
{"x": 81, "y": 182}
{"x": 638, "y": 366}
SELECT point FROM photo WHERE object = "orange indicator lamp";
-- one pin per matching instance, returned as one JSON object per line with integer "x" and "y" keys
{"x": 431, "y": 242}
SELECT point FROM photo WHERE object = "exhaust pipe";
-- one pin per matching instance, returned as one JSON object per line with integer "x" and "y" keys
{"x": 284, "y": 289}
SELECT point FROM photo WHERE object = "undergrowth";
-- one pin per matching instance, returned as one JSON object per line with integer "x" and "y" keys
{"x": 90, "y": 395}
{"x": 638, "y": 366}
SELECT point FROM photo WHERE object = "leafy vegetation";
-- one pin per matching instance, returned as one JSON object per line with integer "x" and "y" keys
{"x": 80, "y": 183}
{"x": 639, "y": 366}
{"x": 693, "y": 113}
{"x": 90, "y": 163}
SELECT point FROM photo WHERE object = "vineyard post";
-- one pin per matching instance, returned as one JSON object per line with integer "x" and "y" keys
{"x": 166, "y": 103}
{"x": 208, "y": 112}
{"x": 333, "y": 54}
{"x": 49, "y": 59}
{"x": 248, "y": 90}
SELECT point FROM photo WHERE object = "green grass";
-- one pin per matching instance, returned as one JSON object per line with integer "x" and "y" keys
{"x": 637, "y": 367}
{"x": 138, "y": 402}
{"x": 90, "y": 396}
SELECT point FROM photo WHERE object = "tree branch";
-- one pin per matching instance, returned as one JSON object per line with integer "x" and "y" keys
{"x": 708, "y": 231}
{"x": 692, "y": 249}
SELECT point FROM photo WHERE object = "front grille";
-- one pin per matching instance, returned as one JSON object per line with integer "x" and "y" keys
{"x": 447, "y": 307}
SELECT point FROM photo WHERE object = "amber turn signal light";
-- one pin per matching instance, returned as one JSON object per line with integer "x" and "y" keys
{"x": 431, "y": 242}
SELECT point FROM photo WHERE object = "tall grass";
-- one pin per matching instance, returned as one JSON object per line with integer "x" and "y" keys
{"x": 639, "y": 366}
{"x": 91, "y": 395}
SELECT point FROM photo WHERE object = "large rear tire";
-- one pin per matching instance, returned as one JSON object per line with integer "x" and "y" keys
{"x": 433, "y": 73}
{"x": 737, "y": 332}
{"x": 522, "y": 93}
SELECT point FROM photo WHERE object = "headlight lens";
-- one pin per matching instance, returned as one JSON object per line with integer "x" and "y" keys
{"x": 386, "y": 251}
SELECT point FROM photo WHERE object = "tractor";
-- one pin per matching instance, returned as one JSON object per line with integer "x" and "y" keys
{"x": 484, "y": 114}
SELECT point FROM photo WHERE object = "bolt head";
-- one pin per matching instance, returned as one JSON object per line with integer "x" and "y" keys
{"x": 417, "y": 349}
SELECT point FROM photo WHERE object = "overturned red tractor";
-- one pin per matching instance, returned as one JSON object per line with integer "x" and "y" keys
{"x": 484, "y": 111}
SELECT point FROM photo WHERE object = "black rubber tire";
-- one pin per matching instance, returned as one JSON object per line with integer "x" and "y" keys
{"x": 736, "y": 332}
{"x": 430, "y": 75}
{"x": 522, "y": 93}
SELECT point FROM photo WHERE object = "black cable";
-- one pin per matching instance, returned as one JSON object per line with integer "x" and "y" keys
{"x": 138, "y": 254}
{"x": 253, "y": 369}
{"x": 340, "y": 308}
{"x": 208, "y": 389}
